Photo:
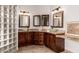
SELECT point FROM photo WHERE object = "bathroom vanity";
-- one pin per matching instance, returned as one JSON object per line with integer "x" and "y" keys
{"x": 50, "y": 40}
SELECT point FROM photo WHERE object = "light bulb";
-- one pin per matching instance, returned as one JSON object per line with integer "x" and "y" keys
{"x": 61, "y": 9}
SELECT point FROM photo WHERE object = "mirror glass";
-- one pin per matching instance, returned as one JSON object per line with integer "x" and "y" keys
{"x": 24, "y": 21}
{"x": 45, "y": 20}
{"x": 58, "y": 20}
{"x": 36, "y": 20}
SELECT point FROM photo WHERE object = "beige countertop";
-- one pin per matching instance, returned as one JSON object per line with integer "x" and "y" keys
{"x": 58, "y": 34}
{"x": 62, "y": 36}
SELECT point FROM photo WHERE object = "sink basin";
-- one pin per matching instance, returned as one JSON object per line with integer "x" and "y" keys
{"x": 22, "y": 30}
{"x": 33, "y": 29}
{"x": 56, "y": 31}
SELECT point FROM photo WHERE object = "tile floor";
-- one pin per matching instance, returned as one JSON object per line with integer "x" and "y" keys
{"x": 36, "y": 49}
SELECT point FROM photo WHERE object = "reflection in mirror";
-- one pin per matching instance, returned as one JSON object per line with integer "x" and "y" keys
{"x": 58, "y": 20}
{"x": 24, "y": 20}
{"x": 45, "y": 20}
{"x": 36, "y": 20}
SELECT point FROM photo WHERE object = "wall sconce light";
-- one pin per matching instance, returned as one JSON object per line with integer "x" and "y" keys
{"x": 57, "y": 9}
{"x": 23, "y": 12}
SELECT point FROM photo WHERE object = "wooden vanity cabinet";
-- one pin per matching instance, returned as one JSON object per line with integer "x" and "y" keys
{"x": 22, "y": 39}
{"x": 60, "y": 44}
{"x": 29, "y": 38}
{"x": 50, "y": 41}
{"x": 38, "y": 38}
{"x": 54, "y": 43}
{"x": 41, "y": 38}
{"x": 25, "y": 38}
{"x": 47, "y": 39}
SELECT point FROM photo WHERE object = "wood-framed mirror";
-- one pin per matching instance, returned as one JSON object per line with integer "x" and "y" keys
{"x": 45, "y": 20}
{"x": 58, "y": 19}
{"x": 24, "y": 21}
{"x": 36, "y": 20}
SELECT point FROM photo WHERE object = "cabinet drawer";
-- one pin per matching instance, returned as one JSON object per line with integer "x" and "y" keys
{"x": 41, "y": 42}
{"x": 41, "y": 34}
{"x": 41, "y": 37}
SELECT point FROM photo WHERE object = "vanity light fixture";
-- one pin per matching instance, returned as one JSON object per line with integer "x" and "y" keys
{"x": 58, "y": 9}
{"x": 23, "y": 12}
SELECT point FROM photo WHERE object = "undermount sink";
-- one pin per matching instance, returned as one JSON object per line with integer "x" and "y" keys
{"x": 56, "y": 31}
{"x": 33, "y": 29}
{"x": 22, "y": 30}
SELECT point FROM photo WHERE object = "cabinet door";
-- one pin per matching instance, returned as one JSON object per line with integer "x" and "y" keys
{"x": 36, "y": 38}
{"x": 60, "y": 44}
{"x": 52, "y": 42}
{"x": 26, "y": 37}
{"x": 21, "y": 39}
{"x": 48, "y": 40}
{"x": 30, "y": 38}
{"x": 20, "y": 35}
{"x": 45, "y": 39}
